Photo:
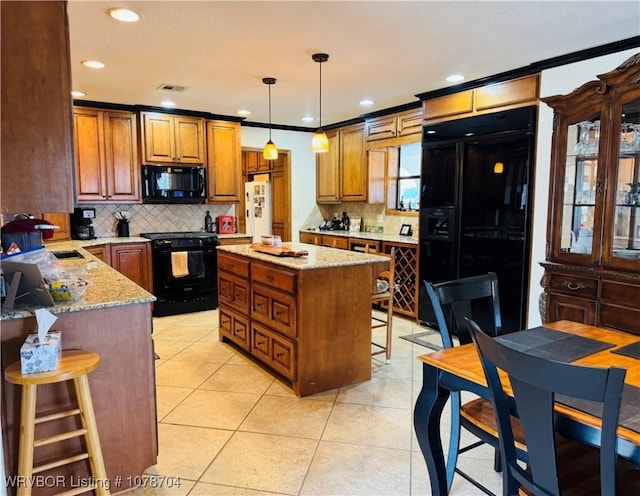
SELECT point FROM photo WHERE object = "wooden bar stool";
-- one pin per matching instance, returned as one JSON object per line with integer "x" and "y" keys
{"x": 74, "y": 365}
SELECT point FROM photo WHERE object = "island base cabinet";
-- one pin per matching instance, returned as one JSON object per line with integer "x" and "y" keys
{"x": 311, "y": 327}
{"x": 122, "y": 390}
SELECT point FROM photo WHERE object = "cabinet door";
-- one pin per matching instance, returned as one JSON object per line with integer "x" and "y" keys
{"x": 354, "y": 177}
{"x": 134, "y": 261}
{"x": 562, "y": 307}
{"x": 310, "y": 238}
{"x": 158, "y": 138}
{"x": 63, "y": 221}
{"x": 577, "y": 187}
{"x": 91, "y": 183}
{"x": 281, "y": 197}
{"x": 223, "y": 162}
{"x": 189, "y": 137}
{"x": 410, "y": 122}
{"x": 377, "y": 163}
{"x": 121, "y": 157}
{"x": 328, "y": 171}
{"x": 101, "y": 251}
{"x": 36, "y": 128}
{"x": 621, "y": 243}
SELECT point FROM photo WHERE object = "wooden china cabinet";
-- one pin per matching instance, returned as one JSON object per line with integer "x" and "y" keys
{"x": 592, "y": 271}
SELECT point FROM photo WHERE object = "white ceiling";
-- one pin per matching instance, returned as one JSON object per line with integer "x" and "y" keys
{"x": 387, "y": 51}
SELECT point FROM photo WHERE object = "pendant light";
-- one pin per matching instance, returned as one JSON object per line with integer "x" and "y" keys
{"x": 270, "y": 151}
{"x": 319, "y": 141}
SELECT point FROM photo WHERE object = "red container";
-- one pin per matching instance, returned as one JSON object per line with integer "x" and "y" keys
{"x": 226, "y": 224}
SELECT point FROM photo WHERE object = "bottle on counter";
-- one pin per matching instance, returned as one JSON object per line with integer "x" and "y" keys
{"x": 208, "y": 222}
{"x": 346, "y": 222}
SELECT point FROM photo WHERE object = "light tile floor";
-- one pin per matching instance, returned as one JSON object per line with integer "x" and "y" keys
{"x": 227, "y": 427}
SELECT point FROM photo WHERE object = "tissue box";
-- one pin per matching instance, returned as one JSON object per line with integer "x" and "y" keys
{"x": 41, "y": 357}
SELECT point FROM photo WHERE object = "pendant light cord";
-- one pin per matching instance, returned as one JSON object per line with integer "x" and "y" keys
{"x": 320, "y": 113}
{"x": 269, "y": 111}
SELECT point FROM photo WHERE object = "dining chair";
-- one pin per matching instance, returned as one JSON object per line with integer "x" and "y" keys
{"x": 382, "y": 308}
{"x": 453, "y": 301}
{"x": 555, "y": 466}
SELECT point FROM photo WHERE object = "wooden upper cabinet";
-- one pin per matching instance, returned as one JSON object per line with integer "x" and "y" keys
{"x": 519, "y": 92}
{"x": 254, "y": 162}
{"x": 224, "y": 169}
{"x": 328, "y": 171}
{"x": 37, "y": 129}
{"x": 107, "y": 166}
{"x": 394, "y": 125}
{"x": 354, "y": 173}
{"x": 168, "y": 138}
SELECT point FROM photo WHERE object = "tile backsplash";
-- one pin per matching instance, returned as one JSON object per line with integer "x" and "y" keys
{"x": 156, "y": 218}
{"x": 371, "y": 215}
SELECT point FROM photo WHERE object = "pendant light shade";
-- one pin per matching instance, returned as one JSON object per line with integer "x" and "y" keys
{"x": 270, "y": 151}
{"x": 319, "y": 141}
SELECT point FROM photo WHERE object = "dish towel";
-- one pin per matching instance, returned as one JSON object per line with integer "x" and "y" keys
{"x": 179, "y": 264}
{"x": 196, "y": 263}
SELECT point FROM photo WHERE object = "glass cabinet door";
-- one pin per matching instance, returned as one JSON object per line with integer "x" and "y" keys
{"x": 578, "y": 206}
{"x": 623, "y": 247}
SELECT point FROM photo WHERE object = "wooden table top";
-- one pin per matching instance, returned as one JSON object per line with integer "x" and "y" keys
{"x": 463, "y": 361}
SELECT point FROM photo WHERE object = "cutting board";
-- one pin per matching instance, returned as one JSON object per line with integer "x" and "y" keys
{"x": 284, "y": 251}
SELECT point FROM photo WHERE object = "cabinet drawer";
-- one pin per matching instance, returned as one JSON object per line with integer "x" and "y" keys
{"x": 234, "y": 326}
{"x": 335, "y": 242}
{"x": 273, "y": 277}
{"x": 381, "y": 127}
{"x": 233, "y": 291}
{"x": 361, "y": 245}
{"x": 274, "y": 350}
{"x": 583, "y": 287}
{"x": 620, "y": 293}
{"x": 274, "y": 308}
{"x": 234, "y": 265}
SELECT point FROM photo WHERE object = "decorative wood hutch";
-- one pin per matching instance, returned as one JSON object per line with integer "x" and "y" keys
{"x": 592, "y": 270}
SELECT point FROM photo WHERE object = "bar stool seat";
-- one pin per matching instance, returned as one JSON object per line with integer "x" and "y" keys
{"x": 74, "y": 365}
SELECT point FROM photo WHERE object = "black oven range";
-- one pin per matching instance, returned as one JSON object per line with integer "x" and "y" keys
{"x": 185, "y": 270}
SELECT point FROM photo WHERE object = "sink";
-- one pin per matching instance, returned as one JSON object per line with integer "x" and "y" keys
{"x": 67, "y": 254}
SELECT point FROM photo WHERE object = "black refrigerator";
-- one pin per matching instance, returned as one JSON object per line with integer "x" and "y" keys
{"x": 475, "y": 215}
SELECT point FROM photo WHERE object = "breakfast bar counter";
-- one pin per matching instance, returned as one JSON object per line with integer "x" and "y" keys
{"x": 112, "y": 318}
{"x": 306, "y": 319}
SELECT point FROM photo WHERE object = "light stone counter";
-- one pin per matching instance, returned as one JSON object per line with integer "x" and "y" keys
{"x": 319, "y": 257}
{"x": 393, "y": 238}
{"x": 107, "y": 288}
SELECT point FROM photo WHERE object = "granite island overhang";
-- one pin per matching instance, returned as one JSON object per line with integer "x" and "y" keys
{"x": 306, "y": 319}
{"x": 113, "y": 319}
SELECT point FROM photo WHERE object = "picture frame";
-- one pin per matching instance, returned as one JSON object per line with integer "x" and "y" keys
{"x": 405, "y": 230}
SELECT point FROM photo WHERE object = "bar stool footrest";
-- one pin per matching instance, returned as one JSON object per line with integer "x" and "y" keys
{"x": 60, "y": 463}
{"x": 59, "y": 437}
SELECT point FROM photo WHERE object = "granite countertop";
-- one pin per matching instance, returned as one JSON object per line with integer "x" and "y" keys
{"x": 107, "y": 288}
{"x": 319, "y": 257}
{"x": 394, "y": 238}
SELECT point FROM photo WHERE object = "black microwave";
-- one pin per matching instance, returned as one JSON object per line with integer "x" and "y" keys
{"x": 169, "y": 184}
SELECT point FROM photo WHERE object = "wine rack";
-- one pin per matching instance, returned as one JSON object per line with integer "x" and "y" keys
{"x": 406, "y": 274}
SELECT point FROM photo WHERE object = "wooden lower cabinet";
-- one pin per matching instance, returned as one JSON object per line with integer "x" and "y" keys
{"x": 592, "y": 296}
{"x": 102, "y": 252}
{"x": 310, "y": 327}
{"x": 311, "y": 238}
{"x": 134, "y": 261}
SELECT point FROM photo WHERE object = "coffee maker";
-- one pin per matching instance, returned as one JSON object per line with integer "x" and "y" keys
{"x": 82, "y": 223}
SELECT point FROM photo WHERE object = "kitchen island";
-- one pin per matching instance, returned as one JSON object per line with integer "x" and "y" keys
{"x": 306, "y": 319}
{"x": 113, "y": 319}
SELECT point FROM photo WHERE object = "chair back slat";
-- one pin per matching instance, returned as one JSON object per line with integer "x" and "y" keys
{"x": 473, "y": 297}
{"x": 535, "y": 382}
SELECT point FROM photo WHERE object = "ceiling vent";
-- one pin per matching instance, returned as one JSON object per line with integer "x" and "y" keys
{"x": 172, "y": 87}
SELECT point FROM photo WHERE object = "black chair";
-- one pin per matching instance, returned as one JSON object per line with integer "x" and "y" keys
{"x": 555, "y": 466}
{"x": 470, "y": 297}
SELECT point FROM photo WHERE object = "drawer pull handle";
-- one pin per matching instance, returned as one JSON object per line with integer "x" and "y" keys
{"x": 258, "y": 304}
{"x": 270, "y": 278}
{"x": 231, "y": 266}
{"x": 225, "y": 322}
{"x": 279, "y": 312}
{"x": 260, "y": 343}
{"x": 573, "y": 286}
{"x": 278, "y": 355}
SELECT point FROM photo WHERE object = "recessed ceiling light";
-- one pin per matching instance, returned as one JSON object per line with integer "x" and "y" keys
{"x": 243, "y": 112}
{"x": 366, "y": 103}
{"x": 124, "y": 15}
{"x": 93, "y": 64}
{"x": 78, "y": 94}
{"x": 308, "y": 118}
{"x": 455, "y": 78}
{"x": 167, "y": 103}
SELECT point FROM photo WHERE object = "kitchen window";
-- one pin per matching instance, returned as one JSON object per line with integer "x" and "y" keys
{"x": 403, "y": 178}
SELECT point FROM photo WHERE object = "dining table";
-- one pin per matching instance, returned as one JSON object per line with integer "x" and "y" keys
{"x": 459, "y": 369}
